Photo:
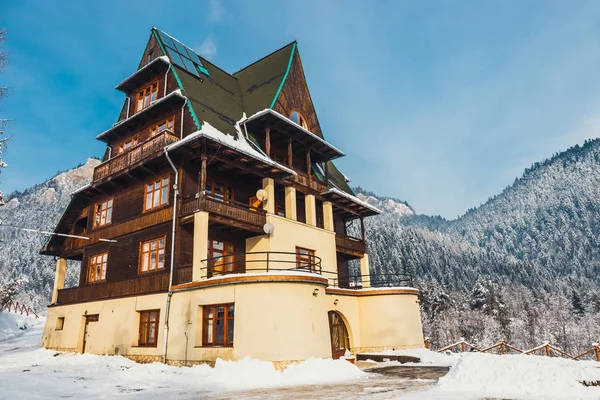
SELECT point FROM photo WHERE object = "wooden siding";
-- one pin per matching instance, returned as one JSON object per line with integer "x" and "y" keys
{"x": 350, "y": 245}
{"x": 155, "y": 283}
{"x": 295, "y": 94}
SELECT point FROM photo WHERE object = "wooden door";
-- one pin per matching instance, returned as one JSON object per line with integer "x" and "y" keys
{"x": 340, "y": 341}
{"x": 88, "y": 319}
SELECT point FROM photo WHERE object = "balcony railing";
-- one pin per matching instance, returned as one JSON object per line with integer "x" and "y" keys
{"x": 261, "y": 261}
{"x": 374, "y": 280}
{"x": 350, "y": 245}
{"x": 229, "y": 209}
{"x": 313, "y": 183}
{"x": 145, "y": 150}
{"x": 142, "y": 285}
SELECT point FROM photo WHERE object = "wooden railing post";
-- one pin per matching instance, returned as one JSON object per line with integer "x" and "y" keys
{"x": 547, "y": 347}
{"x": 502, "y": 347}
{"x": 597, "y": 351}
{"x": 426, "y": 343}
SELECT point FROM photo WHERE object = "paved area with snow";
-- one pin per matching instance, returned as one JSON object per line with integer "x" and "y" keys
{"x": 28, "y": 372}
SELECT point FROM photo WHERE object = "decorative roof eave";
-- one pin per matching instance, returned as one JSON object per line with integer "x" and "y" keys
{"x": 142, "y": 75}
{"x": 268, "y": 115}
{"x": 144, "y": 116}
{"x": 358, "y": 206}
{"x": 213, "y": 134}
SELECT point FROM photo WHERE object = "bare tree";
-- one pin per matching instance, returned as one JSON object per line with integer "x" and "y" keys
{"x": 3, "y": 92}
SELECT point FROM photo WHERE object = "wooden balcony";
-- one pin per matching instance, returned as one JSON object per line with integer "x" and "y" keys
{"x": 350, "y": 245}
{"x": 227, "y": 212}
{"x": 142, "y": 285}
{"x": 313, "y": 183}
{"x": 137, "y": 155}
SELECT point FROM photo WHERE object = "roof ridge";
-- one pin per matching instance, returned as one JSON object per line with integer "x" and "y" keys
{"x": 268, "y": 55}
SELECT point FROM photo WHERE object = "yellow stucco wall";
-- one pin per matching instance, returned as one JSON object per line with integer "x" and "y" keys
{"x": 287, "y": 234}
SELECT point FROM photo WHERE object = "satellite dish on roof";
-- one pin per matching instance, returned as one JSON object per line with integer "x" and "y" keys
{"x": 262, "y": 194}
{"x": 268, "y": 228}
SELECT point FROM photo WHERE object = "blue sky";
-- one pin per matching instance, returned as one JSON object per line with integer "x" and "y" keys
{"x": 440, "y": 103}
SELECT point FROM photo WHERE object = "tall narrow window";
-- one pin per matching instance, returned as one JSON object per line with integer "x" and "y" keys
{"x": 153, "y": 255}
{"x": 164, "y": 125}
{"x": 146, "y": 96}
{"x": 97, "y": 267}
{"x": 305, "y": 258}
{"x": 127, "y": 145}
{"x": 150, "y": 55}
{"x": 148, "y": 335}
{"x": 298, "y": 118}
{"x": 157, "y": 193}
{"x": 217, "y": 325}
{"x": 103, "y": 213}
{"x": 221, "y": 257}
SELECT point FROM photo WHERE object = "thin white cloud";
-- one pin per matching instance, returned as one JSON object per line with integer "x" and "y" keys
{"x": 216, "y": 11}
{"x": 208, "y": 49}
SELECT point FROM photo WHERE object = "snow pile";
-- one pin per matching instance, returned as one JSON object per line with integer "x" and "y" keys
{"x": 426, "y": 356}
{"x": 520, "y": 376}
{"x": 11, "y": 326}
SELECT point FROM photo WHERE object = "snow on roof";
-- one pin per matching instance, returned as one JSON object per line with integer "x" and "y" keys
{"x": 81, "y": 189}
{"x": 175, "y": 93}
{"x": 240, "y": 144}
{"x": 352, "y": 198}
{"x": 283, "y": 118}
{"x": 164, "y": 59}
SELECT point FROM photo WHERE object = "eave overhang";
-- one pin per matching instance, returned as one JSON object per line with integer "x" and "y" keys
{"x": 282, "y": 128}
{"x": 155, "y": 67}
{"x": 227, "y": 151}
{"x": 348, "y": 204}
{"x": 148, "y": 114}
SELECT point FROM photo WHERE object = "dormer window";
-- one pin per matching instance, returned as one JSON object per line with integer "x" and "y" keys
{"x": 146, "y": 96}
{"x": 158, "y": 128}
{"x": 298, "y": 118}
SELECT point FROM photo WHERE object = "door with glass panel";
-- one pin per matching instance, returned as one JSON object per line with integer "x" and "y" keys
{"x": 221, "y": 257}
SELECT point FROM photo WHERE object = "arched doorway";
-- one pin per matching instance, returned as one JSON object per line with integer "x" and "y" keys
{"x": 340, "y": 341}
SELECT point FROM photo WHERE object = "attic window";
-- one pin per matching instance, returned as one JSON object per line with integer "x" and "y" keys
{"x": 150, "y": 55}
{"x": 298, "y": 118}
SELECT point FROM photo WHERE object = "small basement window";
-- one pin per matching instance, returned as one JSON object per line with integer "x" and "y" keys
{"x": 60, "y": 323}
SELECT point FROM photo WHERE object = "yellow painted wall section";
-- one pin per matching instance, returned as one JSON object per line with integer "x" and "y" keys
{"x": 390, "y": 321}
{"x": 115, "y": 331}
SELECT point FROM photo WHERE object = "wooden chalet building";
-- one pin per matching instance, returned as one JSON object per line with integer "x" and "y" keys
{"x": 216, "y": 226}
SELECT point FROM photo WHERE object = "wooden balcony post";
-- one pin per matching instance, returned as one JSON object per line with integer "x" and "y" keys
{"x": 326, "y": 172}
{"x": 308, "y": 166}
{"x": 203, "y": 176}
{"x": 290, "y": 152}
{"x": 362, "y": 228}
{"x": 59, "y": 278}
{"x": 268, "y": 141}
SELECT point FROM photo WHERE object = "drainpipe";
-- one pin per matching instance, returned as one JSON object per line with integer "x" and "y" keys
{"x": 170, "y": 293}
{"x": 182, "y": 114}
{"x": 128, "y": 105}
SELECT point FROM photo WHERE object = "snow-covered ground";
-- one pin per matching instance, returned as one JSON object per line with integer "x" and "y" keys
{"x": 28, "y": 372}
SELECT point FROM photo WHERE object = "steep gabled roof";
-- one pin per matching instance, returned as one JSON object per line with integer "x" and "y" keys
{"x": 261, "y": 81}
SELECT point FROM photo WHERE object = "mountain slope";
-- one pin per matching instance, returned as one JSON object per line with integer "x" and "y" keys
{"x": 541, "y": 230}
{"x": 39, "y": 207}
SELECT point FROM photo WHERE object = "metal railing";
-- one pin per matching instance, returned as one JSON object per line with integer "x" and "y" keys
{"x": 373, "y": 280}
{"x": 260, "y": 261}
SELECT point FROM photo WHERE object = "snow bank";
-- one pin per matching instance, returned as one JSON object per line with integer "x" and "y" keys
{"x": 477, "y": 375}
{"x": 11, "y": 326}
{"x": 427, "y": 357}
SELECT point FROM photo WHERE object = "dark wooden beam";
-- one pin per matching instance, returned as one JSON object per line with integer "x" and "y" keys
{"x": 290, "y": 152}
{"x": 268, "y": 141}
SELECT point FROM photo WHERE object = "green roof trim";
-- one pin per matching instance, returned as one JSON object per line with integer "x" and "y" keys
{"x": 287, "y": 72}
{"x": 194, "y": 117}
